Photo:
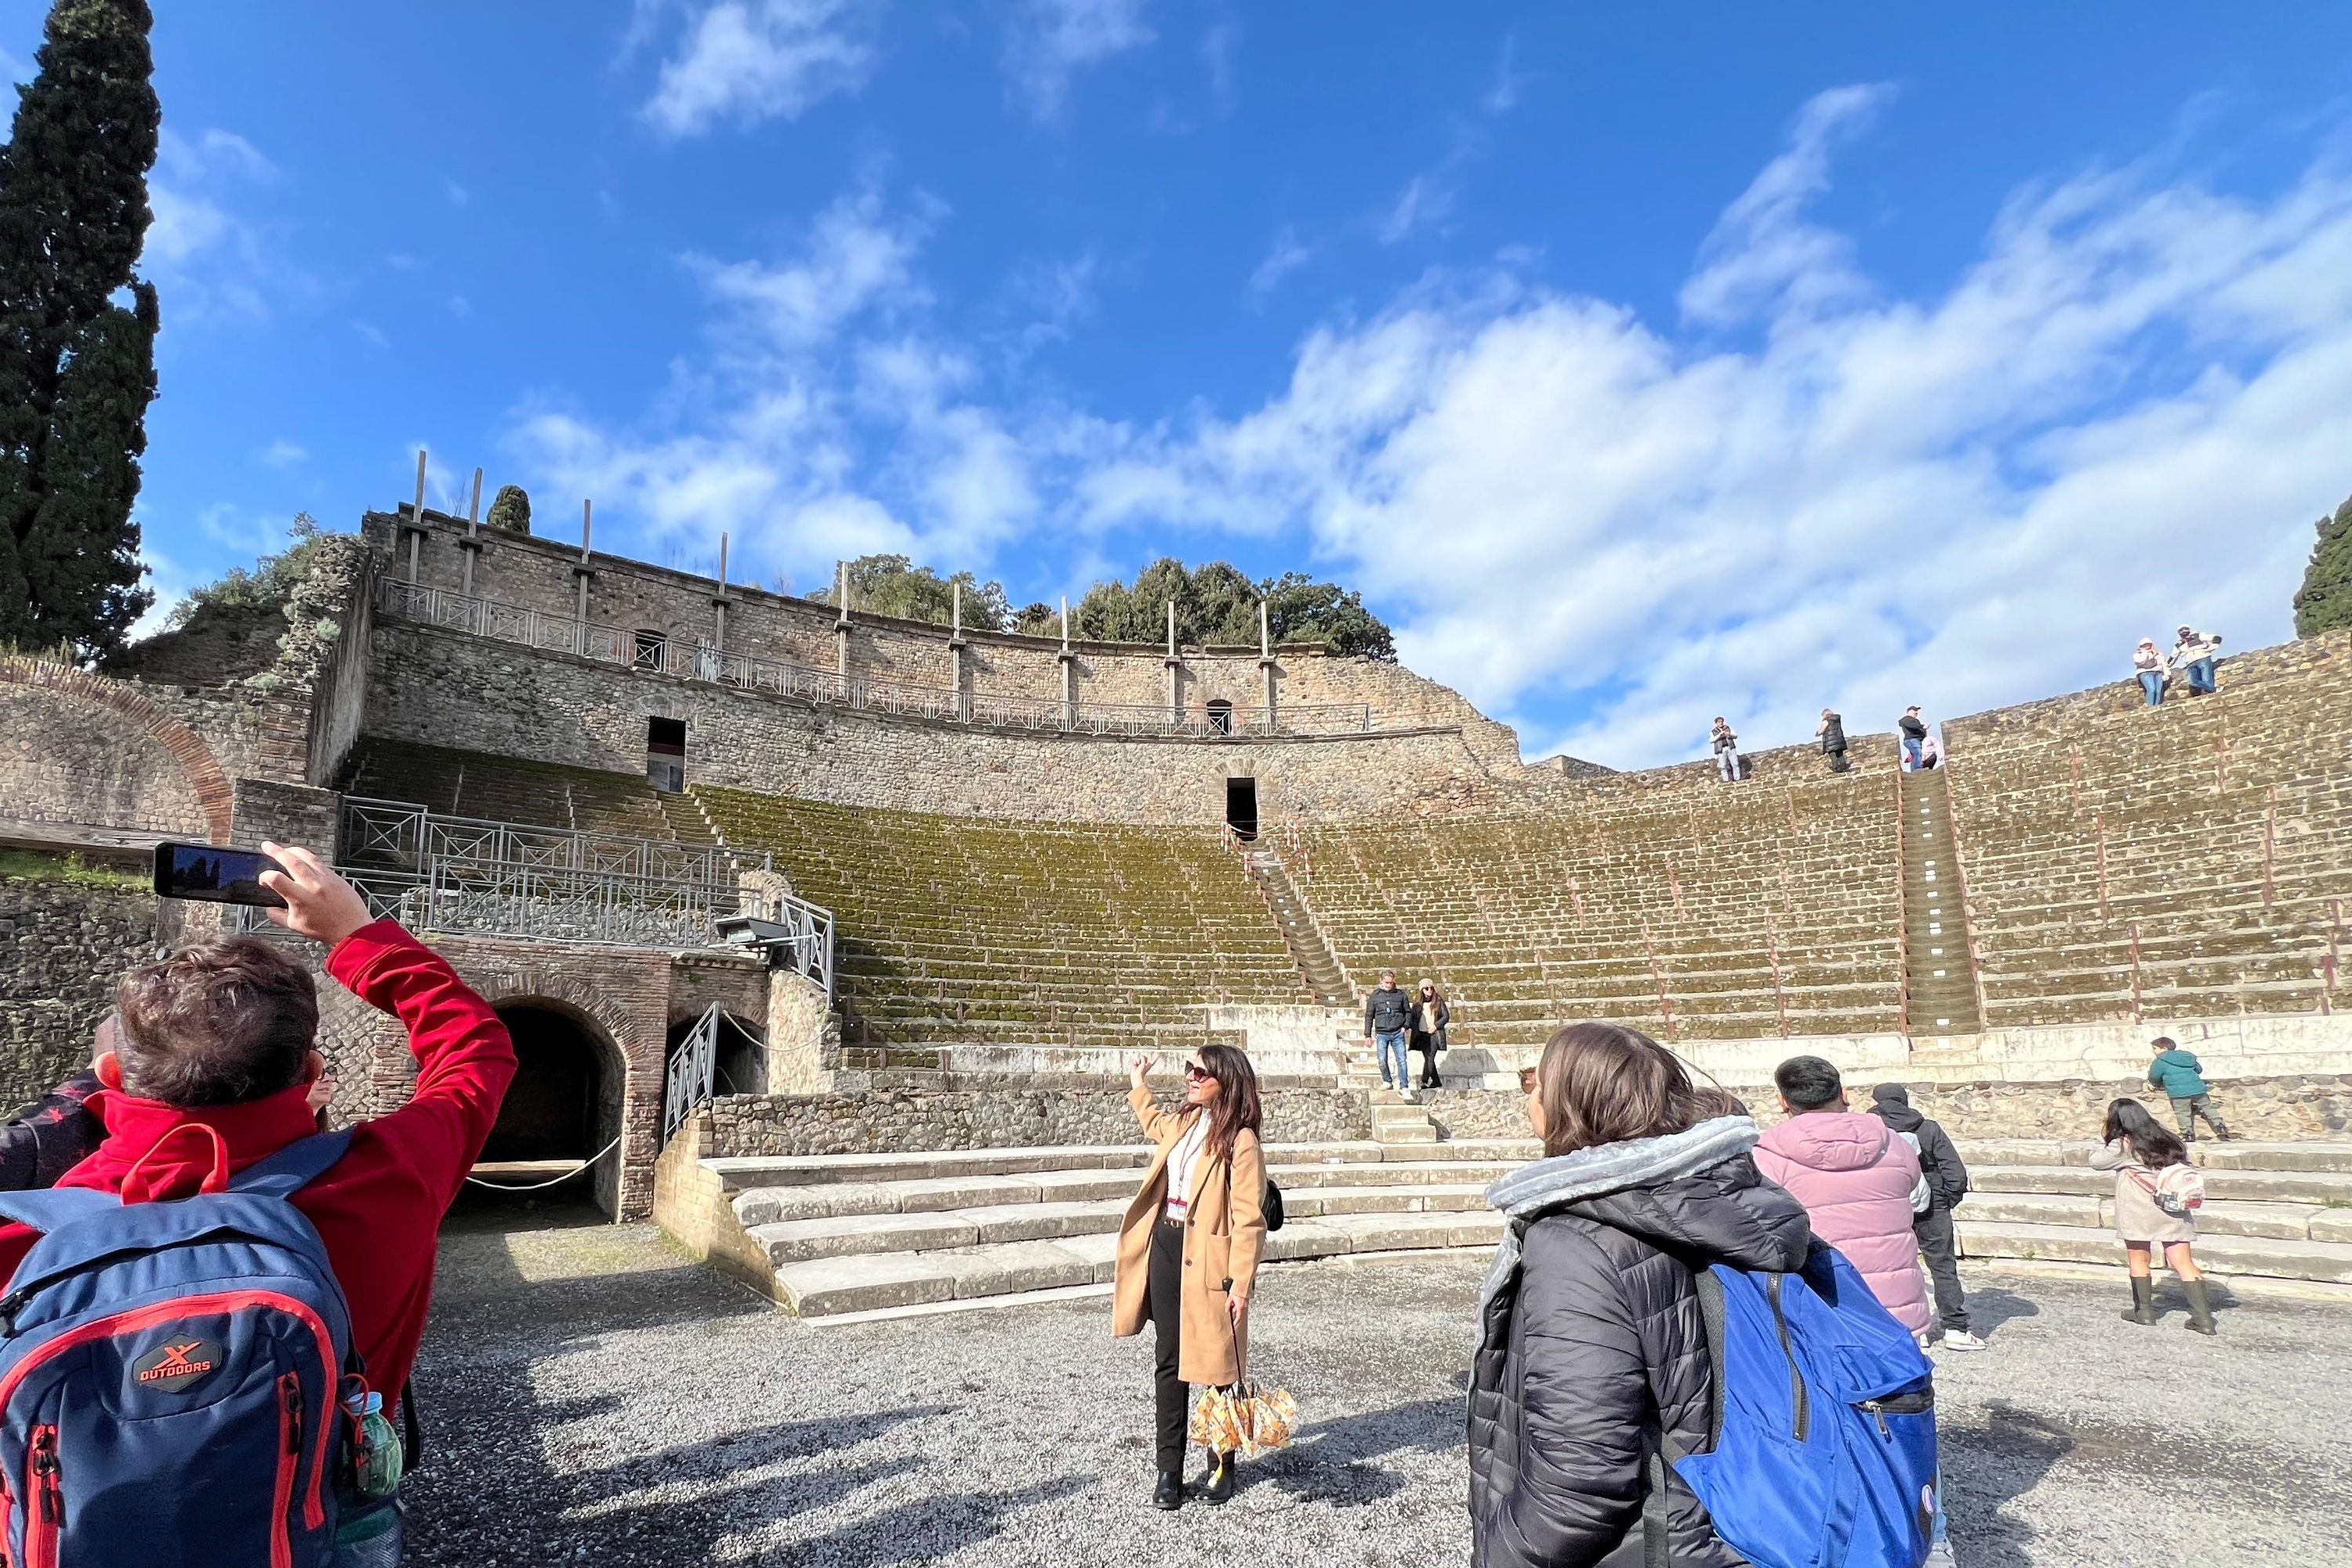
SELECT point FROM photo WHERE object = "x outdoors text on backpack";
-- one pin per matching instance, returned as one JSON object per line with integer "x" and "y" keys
{"x": 169, "y": 1374}
{"x": 1824, "y": 1451}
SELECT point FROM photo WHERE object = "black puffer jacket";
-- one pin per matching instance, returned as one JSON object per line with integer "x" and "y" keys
{"x": 1589, "y": 1339}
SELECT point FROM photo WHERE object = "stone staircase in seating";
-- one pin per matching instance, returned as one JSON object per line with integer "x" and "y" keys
{"x": 2275, "y": 1213}
{"x": 1327, "y": 977}
{"x": 843, "y": 1234}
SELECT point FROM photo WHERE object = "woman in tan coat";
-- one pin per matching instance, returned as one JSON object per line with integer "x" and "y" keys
{"x": 2139, "y": 1149}
{"x": 1188, "y": 1248}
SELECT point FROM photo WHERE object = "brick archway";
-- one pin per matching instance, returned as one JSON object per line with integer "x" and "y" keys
{"x": 633, "y": 1048}
{"x": 194, "y": 758}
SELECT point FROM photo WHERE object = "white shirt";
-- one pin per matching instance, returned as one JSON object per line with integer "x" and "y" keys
{"x": 1183, "y": 1160}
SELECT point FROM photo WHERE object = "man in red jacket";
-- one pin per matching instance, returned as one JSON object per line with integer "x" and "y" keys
{"x": 212, "y": 1066}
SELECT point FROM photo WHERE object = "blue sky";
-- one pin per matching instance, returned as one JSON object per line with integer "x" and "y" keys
{"x": 1640, "y": 366}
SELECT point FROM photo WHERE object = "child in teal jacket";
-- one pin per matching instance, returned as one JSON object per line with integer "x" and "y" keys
{"x": 2181, "y": 1077}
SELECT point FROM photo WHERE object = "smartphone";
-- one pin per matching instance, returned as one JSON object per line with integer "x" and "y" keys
{"x": 214, "y": 874}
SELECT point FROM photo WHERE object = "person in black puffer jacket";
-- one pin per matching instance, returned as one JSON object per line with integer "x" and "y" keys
{"x": 1591, "y": 1352}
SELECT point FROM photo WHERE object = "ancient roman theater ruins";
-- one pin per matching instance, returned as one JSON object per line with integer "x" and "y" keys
{"x": 980, "y": 870}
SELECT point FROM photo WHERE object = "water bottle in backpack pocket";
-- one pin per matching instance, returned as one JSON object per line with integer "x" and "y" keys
{"x": 1824, "y": 1454}
{"x": 169, "y": 1374}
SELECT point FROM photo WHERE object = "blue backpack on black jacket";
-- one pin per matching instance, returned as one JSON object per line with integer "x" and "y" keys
{"x": 1824, "y": 1453}
{"x": 169, "y": 1374}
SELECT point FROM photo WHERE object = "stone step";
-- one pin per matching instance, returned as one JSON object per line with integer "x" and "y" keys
{"x": 2322, "y": 1262}
{"x": 2312, "y": 1188}
{"x": 1400, "y": 1133}
{"x": 2237, "y": 1155}
{"x": 881, "y": 1281}
{"x": 2288, "y": 1222}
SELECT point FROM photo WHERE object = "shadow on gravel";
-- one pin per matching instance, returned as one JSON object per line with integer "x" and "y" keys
{"x": 1991, "y": 1307}
{"x": 926, "y": 1530}
{"x": 1985, "y": 1468}
{"x": 498, "y": 1486}
{"x": 1331, "y": 1461}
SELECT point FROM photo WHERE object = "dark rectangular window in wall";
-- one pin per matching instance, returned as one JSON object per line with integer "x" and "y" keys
{"x": 665, "y": 753}
{"x": 1240, "y": 807}
{"x": 653, "y": 649}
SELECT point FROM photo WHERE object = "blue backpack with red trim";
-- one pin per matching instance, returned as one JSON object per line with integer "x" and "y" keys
{"x": 169, "y": 1375}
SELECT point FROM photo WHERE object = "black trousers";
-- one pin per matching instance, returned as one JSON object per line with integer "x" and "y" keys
{"x": 1429, "y": 1078}
{"x": 1940, "y": 1248}
{"x": 1171, "y": 1406}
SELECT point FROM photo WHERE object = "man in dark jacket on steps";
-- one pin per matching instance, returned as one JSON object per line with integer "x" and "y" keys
{"x": 1388, "y": 1019}
{"x": 1948, "y": 1184}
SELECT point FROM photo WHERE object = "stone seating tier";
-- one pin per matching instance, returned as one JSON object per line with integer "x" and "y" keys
{"x": 954, "y": 930}
{"x": 845, "y": 1235}
{"x": 1529, "y": 920}
{"x": 2220, "y": 828}
{"x": 509, "y": 789}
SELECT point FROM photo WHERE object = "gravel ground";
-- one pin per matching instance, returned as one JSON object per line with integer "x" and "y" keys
{"x": 592, "y": 1397}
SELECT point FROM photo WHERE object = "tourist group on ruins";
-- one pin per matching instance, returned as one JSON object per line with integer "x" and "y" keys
{"x": 2189, "y": 664}
{"x": 1673, "y": 1271}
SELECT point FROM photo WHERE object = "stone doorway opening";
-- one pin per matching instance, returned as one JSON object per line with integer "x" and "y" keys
{"x": 665, "y": 753}
{"x": 1241, "y": 808}
{"x": 564, "y": 1107}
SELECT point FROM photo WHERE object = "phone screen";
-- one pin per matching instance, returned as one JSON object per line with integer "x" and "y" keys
{"x": 214, "y": 874}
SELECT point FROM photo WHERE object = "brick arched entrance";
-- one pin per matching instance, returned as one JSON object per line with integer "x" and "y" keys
{"x": 144, "y": 716}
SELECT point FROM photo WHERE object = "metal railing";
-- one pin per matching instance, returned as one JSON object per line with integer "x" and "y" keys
{"x": 533, "y": 628}
{"x": 433, "y": 872}
{"x": 693, "y": 1074}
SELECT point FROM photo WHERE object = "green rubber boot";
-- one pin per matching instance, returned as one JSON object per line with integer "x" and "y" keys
{"x": 2143, "y": 1309}
{"x": 2200, "y": 1310}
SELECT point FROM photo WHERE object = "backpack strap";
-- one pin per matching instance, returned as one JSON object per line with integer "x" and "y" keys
{"x": 1657, "y": 1544}
{"x": 292, "y": 1168}
{"x": 53, "y": 1208}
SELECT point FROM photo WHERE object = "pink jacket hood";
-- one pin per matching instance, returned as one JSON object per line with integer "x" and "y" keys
{"x": 1855, "y": 1177}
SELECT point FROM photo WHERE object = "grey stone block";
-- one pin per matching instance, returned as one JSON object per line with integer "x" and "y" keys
{"x": 827, "y": 1286}
{"x": 802, "y": 1240}
{"x": 934, "y": 1193}
{"x": 1015, "y": 1267}
{"x": 1041, "y": 1222}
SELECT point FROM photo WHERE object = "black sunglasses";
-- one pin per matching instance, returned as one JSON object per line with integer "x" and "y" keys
{"x": 1197, "y": 1074}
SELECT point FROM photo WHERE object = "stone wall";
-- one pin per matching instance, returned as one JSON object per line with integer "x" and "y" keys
{"x": 541, "y": 574}
{"x": 446, "y": 689}
{"x": 62, "y": 946}
{"x": 1036, "y": 1112}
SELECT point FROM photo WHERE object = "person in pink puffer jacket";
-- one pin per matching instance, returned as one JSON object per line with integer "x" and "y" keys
{"x": 1858, "y": 1181}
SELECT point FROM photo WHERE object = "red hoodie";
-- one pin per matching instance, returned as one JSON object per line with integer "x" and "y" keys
{"x": 379, "y": 1207}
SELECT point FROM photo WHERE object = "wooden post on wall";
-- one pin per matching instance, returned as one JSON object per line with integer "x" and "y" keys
{"x": 581, "y": 574}
{"x": 719, "y": 603}
{"x": 956, "y": 644}
{"x": 841, "y": 626}
{"x": 1069, "y": 663}
{"x": 416, "y": 517}
{"x": 472, "y": 544}
{"x": 1265, "y": 664}
{"x": 1175, "y": 674}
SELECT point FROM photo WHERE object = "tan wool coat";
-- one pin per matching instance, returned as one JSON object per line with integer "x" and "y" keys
{"x": 2136, "y": 1216}
{"x": 1224, "y": 1237}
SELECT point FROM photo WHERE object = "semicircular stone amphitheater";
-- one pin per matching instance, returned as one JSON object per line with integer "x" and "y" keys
{"x": 829, "y": 936}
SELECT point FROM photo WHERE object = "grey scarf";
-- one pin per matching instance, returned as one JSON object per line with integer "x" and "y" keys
{"x": 1538, "y": 1189}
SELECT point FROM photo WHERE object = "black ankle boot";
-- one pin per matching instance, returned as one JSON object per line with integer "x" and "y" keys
{"x": 1221, "y": 1478}
{"x": 2201, "y": 1309}
{"x": 2143, "y": 1308}
{"x": 1169, "y": 1492}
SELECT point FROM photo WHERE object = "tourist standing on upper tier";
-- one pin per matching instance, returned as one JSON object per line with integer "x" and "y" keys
{"x": 1858, "y": 1181}
{"x": 2181, "y": 1077}
{"x": 1832, "y": 731}
{"x": 1948, "y": 1184}
{"x": 1188, "y": 1248}
{"x": 1727, "y": 751}
{"x": 2193, "y": 655}
{"x": 1388, "y": 1019}
{"x": 1915, "y": 736}
{"x": 1592, "y": 1347}
{"x": 2149, "y": 666}
{"x": 1431, "y": 1018}
{"x": 2154, "y": 1185}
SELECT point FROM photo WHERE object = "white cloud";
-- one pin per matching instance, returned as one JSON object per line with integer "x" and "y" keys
{"x": 1503, "y": 95}
{"x": 283, "y": 454}
{"x": 1286, "y": 255}
{"x": 751, "y": 61}
{"x": 212, "y": 261}
{"x": 370, "y": 333}
{"x": 458, "y": 196}
{"x": 1217, "y": 47}
{"x": 1425, "y": 199}
{"x": 857, "y": 257}
{"x": 1052, "y": 40}
{"x": 2120, "y": 416}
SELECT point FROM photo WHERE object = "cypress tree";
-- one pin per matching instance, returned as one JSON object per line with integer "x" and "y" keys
{"x": 2324, "y": 601}
{"x": 511, "y": 509}
{"x": 77, "y": 330}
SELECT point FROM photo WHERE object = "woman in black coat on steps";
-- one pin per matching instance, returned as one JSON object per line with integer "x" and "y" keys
{"x": 1589, "y": 1337}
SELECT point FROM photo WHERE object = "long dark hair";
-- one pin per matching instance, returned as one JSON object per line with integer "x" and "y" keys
{"x": 2150, "y": 1142}
{"x": 1237, "y": 1105}
{"x": 1604, "y": 1083}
